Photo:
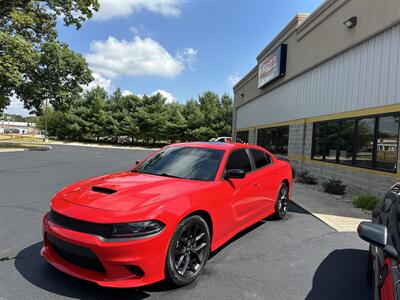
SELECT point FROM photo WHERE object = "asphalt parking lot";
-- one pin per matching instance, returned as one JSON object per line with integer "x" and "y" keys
{"x": 297, "y": 258}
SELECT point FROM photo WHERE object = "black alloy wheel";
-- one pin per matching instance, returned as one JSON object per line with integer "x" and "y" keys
{"x": 281, "y": 205}
{"x": 188, "y": 251}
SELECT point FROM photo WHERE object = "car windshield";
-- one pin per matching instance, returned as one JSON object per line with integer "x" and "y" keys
{"x": 183, "y": 162}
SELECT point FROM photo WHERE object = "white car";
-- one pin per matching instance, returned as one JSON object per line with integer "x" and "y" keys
{"x": 224, "y": 139}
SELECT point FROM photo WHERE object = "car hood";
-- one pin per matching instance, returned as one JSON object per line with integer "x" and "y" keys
{"x": 127, "y": 191}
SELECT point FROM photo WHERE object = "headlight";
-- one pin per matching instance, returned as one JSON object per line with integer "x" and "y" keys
{"x": 136, "y": 229}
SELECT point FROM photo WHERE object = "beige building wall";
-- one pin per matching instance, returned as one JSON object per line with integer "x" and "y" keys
{"x": 318, "y": 37}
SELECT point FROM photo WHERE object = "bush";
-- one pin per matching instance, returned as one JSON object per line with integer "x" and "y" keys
{"x": 334, "y": 186}
{"x": 366, "y": 201}
{"x": 304, "y": 177}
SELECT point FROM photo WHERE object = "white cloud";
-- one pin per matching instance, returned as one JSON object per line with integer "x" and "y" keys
{"x": 122, "y": 8}
{"x": 188, "y": 56}
{"x": 141, "y": 30}
{"x": 99, "y": 81}
{"x": 233, "y": 78}
{"x": 16, "y": 107}
{"x": 141, "y": 56}
{"x": 168, "y": 96}
{"x": 126, "y": 93}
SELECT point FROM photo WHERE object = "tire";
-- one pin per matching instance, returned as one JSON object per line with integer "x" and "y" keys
{"x": 188, "y": 251}
{"x": 281, "y": 204}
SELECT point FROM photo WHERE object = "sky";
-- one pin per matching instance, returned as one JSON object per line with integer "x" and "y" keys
{"x": 175, "y": 47}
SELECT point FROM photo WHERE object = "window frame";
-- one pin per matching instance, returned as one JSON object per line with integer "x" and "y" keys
{"x": 248, "y": 155}
{"x": 243, "y": 131}
{"x": 354, "y": 145}
{"x": 267, "y": 157}
{"x": 276, "y": 129}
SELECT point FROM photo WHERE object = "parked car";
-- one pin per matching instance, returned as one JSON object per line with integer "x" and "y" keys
{"x": 11, "y": 130}
{"x": 163, "y": 218}
{"x": 383, "y": 234}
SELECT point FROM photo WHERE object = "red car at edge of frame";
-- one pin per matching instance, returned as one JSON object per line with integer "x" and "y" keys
{"x": 162, "y": 219}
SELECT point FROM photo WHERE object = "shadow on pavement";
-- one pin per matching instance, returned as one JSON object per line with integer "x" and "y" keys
{"x": 342, "y": 275}
{"x": 37, "y": 271}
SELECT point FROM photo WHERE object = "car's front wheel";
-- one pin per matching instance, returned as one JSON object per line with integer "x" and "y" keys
{"x": 188, "y": 251}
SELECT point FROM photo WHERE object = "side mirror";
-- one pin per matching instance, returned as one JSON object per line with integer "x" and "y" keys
{"x": 376, "y": 234}
{"x": 137, "y": 162}
{"x": 235, "y": 173}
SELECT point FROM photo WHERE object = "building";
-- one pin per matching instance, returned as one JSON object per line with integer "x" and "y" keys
{"x": 17, "y": 127}
{"x": 325, "y": 93}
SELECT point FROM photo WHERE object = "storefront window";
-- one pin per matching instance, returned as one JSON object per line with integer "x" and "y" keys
{"x": 332, "y": 130}
{"x": 318, "y": 139}
{"x": 275, "y": 139}
{"x": 387, "y": 140}
{"x": 365, "y": 142}
{"x": 242, "y": 136}
{"x": 346, "y": 141}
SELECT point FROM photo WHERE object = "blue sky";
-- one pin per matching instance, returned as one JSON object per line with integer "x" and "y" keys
{"x": 180, "y": 48}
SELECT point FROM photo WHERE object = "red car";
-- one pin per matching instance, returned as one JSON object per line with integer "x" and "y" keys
{"x": 162, "y": 218}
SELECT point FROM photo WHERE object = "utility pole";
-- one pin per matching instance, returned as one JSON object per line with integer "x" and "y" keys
{"x": 45, "y": 117}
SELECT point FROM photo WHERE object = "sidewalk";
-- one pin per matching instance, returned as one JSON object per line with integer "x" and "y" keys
{"x": 335, "y": 213}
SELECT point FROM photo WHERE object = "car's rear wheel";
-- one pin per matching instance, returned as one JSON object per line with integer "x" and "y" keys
{"x": 188, "y": 251}
{"x": 281, "y": 204}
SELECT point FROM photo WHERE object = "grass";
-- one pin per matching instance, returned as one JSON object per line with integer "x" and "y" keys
{"x": 19, "y": 138}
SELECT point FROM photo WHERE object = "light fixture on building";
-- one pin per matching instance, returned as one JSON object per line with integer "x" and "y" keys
{"x": 242, "y": 95}
{"x": 351, "y": 22}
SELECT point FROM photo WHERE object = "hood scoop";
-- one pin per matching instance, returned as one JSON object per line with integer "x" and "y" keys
{"x": 103, "y": 190}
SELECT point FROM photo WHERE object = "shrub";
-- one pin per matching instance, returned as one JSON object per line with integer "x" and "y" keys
{"x": 366, "y": 201}
{"x": 304, "y": 177}
{"x": 334, "y": 186}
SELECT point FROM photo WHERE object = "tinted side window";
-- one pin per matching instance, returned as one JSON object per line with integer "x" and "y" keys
{"x": 239, "y": 160}
{"x": 259, "y": 157}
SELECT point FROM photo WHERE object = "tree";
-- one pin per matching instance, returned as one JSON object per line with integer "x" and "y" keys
{"x": 152, "y": 117}
{"x": 92, "y": 110}
{"x": 124, "y": 110}
{"x": 176, "y": 124}
{"x": 28, "y": 42}
{"x": 56, "y": 76}
{"x": 224, "y": 127}
{"x": 194, "y": 118}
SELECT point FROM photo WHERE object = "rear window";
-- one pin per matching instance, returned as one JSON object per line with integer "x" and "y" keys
{"x": 260, "y": 158}
{"x": 239, "y": 160}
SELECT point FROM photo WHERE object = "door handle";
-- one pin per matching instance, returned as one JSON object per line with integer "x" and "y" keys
{"x": 256, "y": 184}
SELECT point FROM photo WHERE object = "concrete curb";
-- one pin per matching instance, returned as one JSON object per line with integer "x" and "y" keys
{"x": 25, "y": 146}
{"x": 102, "y": 146}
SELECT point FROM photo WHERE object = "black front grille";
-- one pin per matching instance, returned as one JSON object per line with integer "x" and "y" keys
{"x": 77, "y": 255}
{"x": 104, "y": 230}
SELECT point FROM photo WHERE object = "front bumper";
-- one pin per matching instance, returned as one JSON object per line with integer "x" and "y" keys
{"x": 120, "y": 264}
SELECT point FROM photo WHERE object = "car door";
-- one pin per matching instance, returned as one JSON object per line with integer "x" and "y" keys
{"x": 265, "y": 177}
{"x": 244, "y": 194}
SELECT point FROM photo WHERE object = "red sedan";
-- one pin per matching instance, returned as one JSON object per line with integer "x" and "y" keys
{"x": 163, "y": 218}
